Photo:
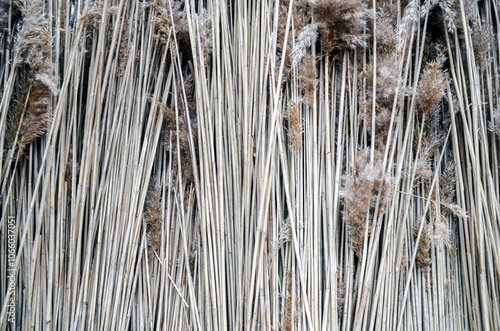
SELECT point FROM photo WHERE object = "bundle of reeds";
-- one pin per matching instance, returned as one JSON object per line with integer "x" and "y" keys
{"x": 249, "y": 165}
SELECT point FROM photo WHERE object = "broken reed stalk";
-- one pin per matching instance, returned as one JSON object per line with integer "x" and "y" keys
{"x": 175, "y": 164}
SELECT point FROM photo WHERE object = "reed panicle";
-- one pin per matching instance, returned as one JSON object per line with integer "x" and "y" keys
{"x": 360, "y": 191}
{"x": 92, "y": 17}
{"x": 411, "y": 17}
{"x": 423, "y": 257}
{"x": 32, "y": 115}
{"x": 37, "y": 116}
{"x": 306, "y": 37}
{"x": 292, "y": 305}
{"x": 174, "y": 130}
{"x": 387, "y": 77}
{"x": 169, "y": 14}
{"x": 307, "y": 75}
{"x": 294, "y": 127}
{"x": 153, "y": 219}
{"x": 484, "y": 38}
{"x": 387, "y": 37}
{"x": 432, "y": 86}
{"x": 343, "y": 23}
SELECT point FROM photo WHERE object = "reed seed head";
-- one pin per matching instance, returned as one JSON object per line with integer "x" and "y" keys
{"x": 360, "y": 190}
{"x": 153, "y": 218}
{"x": 432, "y": 86}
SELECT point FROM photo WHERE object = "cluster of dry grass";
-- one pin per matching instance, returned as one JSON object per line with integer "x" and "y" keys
{"x": 261, "y": 165}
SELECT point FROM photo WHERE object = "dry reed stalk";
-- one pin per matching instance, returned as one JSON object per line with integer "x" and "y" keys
{"x": 204, "y": 165}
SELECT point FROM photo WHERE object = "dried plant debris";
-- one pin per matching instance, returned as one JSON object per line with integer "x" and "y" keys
{"x": 204, "y": 21}
{"x": 437, "y": 229}
{"x": 448, "y": 194}
{"x": 387, "y": 37}
{"x": 194, "y": 253}
{"x": 423, "y": 166}
{"x": 33, "y": 44}
{"x": 437, "y": 232}
{"x": 4, "y": 16}
{"x": 449, "y": 14}
{"x": 442, "y": 232}
{"x": 125, "y": 48}
{"x": 411, "y": 17}
{"x": 429, "y": 146}
{"x": 92, "y": 17}
{"x": 280, "y": 43}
